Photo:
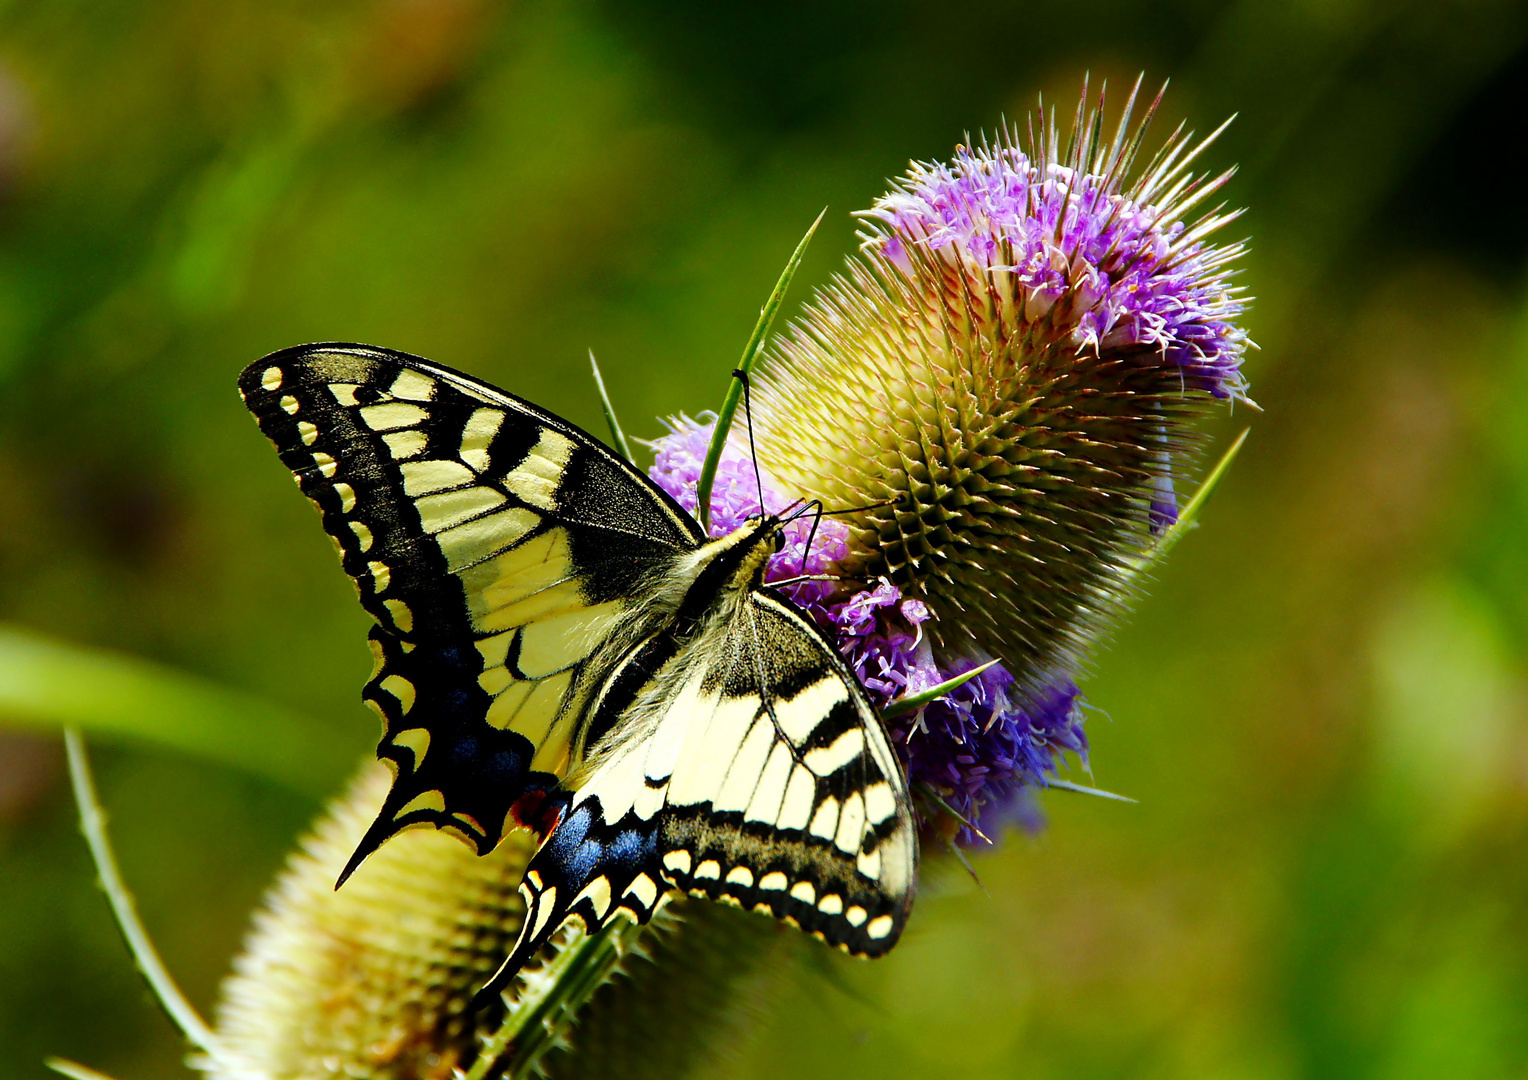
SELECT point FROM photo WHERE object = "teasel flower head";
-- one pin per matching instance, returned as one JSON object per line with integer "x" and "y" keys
{"x": 372, "y": 980}
{"x": 999, "y": 388}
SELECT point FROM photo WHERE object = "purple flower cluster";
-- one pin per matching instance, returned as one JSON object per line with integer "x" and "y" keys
{"x": 1104, "y": 269}
{"x": 979, "y": 746}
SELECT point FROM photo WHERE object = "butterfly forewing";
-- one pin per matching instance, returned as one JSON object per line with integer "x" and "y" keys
{"x": 498, "y": 548}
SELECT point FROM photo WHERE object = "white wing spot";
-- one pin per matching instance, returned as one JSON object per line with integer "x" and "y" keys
{"x": 381, "y": 576}
{"x": 825, "y": 821}
{"x": 770, "y": 793}
{"x": 484, "y": 537}
{"x": 270, "y": 379}
{"x": 800, "y": 715}
{"x": 347, "y": 497}
{"x": 416, "y": 739}
{"x": 406, "y": 443}
{"x": 773, "y": 881}
{"x": 597, "y": 892}
{"x": 479, "y": 431}
{"x": 414, "y": 385}
{"x": 289, "y": 403}
{"x": 740, "y": 875}
{"x": 870, "y": 864}
{"x": 403, "y": 618}
{"x": 677, "y": 861}
{"x": 832, "y": 904}
{"x": 307, "y": 432}
{"x": 855, "y": 916}
{"x": 544, "y": 904}
{"x": 643, "y": 889}
{"x": 743, "y": 777}
{"x": 796, "y": 810}
{"x": 708, "y": 869}
{"x": 391, "y": 415}
{"x": 438, "y": 513}
{"x": 401, "y": 689}
{"x": 326, "y": 464}
{"x": 851, "y": 825}
{"x": 804, "y": 891}
{"x": 880, "y": 802}
{"x": 844, "y": 749}
{"x": 429, "y": 800}
{"x": 435, "y": 474}
{"x": 344, "y": 392}
{"x": 879, "y": 926}
{"x": 362, "y": 535}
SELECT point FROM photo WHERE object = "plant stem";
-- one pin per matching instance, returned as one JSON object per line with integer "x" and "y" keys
{"x": 735, "y": 391}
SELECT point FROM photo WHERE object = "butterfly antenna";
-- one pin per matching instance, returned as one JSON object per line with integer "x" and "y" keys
{"x": 753, "y": 451}
{"x": 812, "y": 532}
{"x": 860, "y": 509}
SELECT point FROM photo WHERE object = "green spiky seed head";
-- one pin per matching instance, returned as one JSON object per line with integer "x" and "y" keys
{"x": 373, "y": 980}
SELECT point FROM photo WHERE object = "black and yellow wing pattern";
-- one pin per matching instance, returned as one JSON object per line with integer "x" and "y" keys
{"x": 558, "y": 646}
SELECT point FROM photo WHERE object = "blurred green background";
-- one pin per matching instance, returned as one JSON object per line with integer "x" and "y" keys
{"x": 1323, "y": 707}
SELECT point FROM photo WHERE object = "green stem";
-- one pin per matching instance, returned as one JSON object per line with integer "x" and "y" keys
{"x": 1187, "y": 516}
{"x": 164, "y": 988}
{"x": 552, "y": 995}
{"x": 73, "y": 1069}
{"x": 617, "y": 436}
{"x": 52, "y": 684}
{"x": 735, "y": 391}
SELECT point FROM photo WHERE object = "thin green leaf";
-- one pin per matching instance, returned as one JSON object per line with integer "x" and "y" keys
{"x": 73, "y": 1069}
{"x": 50, "y": 684}
{"x": 617, "y": 436}
{"x": 1188, "y": 515}
{"x": 1067, "y": 785}
{"x": 164, "y": 988}
{"x": 960, "y": 856}
{"x": 735, "y": 390}
{"x": 905, "y": 705}
{"x": 928, "y": 792}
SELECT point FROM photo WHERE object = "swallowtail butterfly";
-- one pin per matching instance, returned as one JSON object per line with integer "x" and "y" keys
{"x": 558, "y": 645}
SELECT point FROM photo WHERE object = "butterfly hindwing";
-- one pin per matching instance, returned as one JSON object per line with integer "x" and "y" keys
{"x": 498, "y": 548}
{"x": 790, "y": 800}
{"x": 749, "y": 768}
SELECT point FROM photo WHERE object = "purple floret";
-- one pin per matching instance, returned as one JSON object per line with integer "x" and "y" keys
{"x": 980, "y": 747}
{"x": 1118, "y": 273}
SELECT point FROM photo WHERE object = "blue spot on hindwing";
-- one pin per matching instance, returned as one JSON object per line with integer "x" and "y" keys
{"x": 632, "y": 848}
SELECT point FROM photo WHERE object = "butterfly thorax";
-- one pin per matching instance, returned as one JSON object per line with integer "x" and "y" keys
{"x": 701, "y": 590}
{"x": 723, "y": 571}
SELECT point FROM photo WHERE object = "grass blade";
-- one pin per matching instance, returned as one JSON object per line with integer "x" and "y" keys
{"x": 735, "y": 391}
{"x": 617, "y": 436}
{"x": 50, "y": 684}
